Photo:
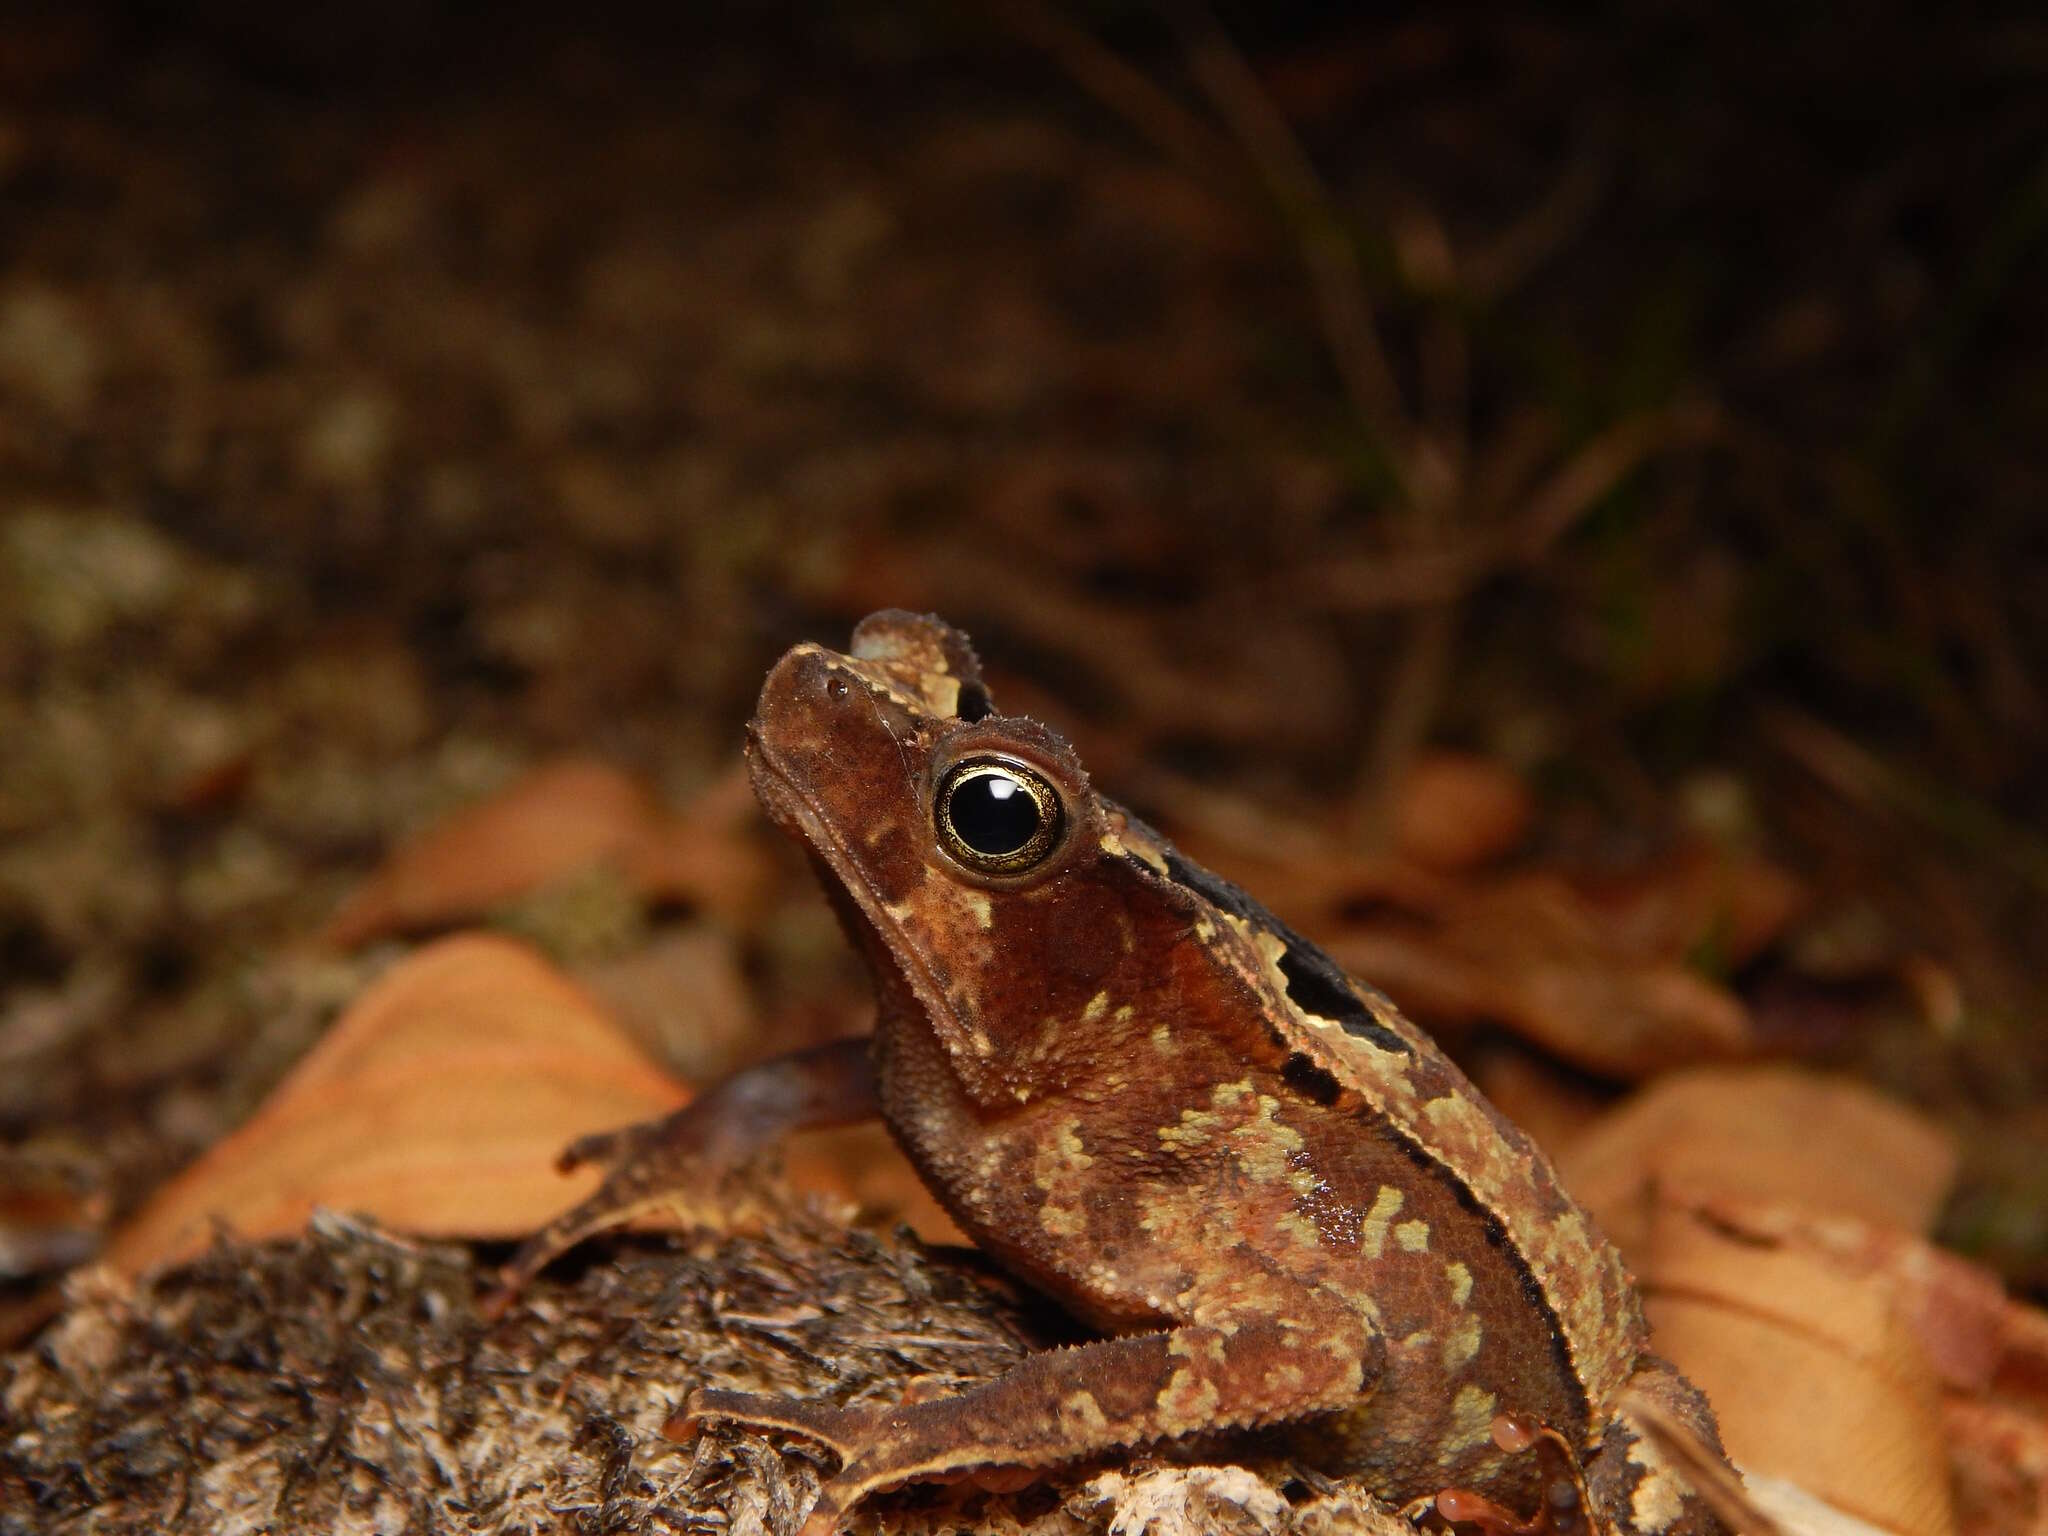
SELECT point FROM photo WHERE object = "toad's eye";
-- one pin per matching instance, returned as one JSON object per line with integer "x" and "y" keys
{"x": 998, "y": 817}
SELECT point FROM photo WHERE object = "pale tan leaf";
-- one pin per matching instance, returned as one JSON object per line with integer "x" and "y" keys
{"x": 1975, "y": 1337}
{"x": 436, "y": 1104}
{"x": 1764, "y": 1133}
{"x": 1799, "y": 1513}
{"x": 1812, "y": 1375}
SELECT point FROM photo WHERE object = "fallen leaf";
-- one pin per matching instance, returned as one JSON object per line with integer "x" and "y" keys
{"x": 437, "y": 1104}
{"x": 1717, "y": 905}
{"x": 682, "y": 997}
{"x": 1762, "y": 1133}
{"x": 1812, "y": 1374}
{"x": 1971, "y": 1332}
{"x": 1799, "y": 1513}
{"x": 1185, "y": 1501}
{"x": 560, "y": 820}
{"x": 1456, "y": 812}
{"x": 1530, "y": 953}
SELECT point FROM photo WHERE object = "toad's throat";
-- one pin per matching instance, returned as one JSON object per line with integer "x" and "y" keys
{"x": 903, "y": 981}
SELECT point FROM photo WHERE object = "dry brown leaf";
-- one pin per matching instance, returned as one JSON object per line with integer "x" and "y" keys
{"x": 1701, "y": 899}
{"x": 682, "y": 997}
{"x": 559, "y": 820}
{"x": 1812, "y": 1374}
{"x": 1799, "y": 1513}
{"x": 437, "y": 1104}
{"x": 1762, "y": 1133}
{"x": 1975, "y": 1337}
{"x": 1607, "y": 975}
{"x": 1456, "y": 812}
{"x": 1530, "y": 953}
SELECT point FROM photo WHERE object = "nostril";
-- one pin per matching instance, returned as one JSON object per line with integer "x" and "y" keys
{"x": 837, "y": 687}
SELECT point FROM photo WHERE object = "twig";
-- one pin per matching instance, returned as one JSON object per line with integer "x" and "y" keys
{"x": 1126, "y": 91}
{"x": 1327, "y": 251}
{"x": 1860, "y": 776}
{"x": 1551, "y": 510}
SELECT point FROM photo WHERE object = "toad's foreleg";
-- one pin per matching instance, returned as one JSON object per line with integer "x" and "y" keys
{"x": 1301, "y": 1352}
{"x": 691, "y": 1151}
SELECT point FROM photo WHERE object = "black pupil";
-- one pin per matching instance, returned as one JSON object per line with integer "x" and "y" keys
{"x": 993, "y": 814}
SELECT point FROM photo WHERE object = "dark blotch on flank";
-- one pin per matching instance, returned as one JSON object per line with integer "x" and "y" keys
{"x": 1310, "y": 1080}
{"x": 1315, "y": 983}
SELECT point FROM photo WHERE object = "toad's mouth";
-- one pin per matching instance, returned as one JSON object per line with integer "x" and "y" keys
{"x": 899, "y": 969}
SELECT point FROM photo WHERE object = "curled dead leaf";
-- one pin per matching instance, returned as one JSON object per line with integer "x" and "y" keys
{"x": 437, "y": 1104}
{"x": 560, "y": 820}
{"x": 1813, "y": 1376}
{"x": 1764, "y": 1133}
{"x": 1529, "y": 952}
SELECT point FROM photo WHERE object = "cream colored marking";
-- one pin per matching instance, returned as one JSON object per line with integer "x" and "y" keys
{"x": 1299, "y": 1229}
{"x": 1461, "y": 1282}
{"x": 1056, "y": 1169}
{"x": 901, "y": 911}
{"x": 1413, "y": 1236}
{"x": 1062, "y": 1220}
{"x": 942, "y": 693}
{"x": 1462, "y": 1342}
{"x": 1197, "y": 1127}
{"x": 872, "y": 678}
{"x": 1081, "y": 1409}
{"x": 1123, "y": 1014}
{"x": 1471, "y": 1422}
{"x": 1063, "y": 1158}
{"x": 1162, "y": 1037}
{"x": 1386, "y": 1206}
{"x": 1098, "y": 1005}
{"x": 1143, "y": 848}
{"x": 1264, "y": 1146}
{"x": 1659, "y": 1498}
{"x": 1188, "y": 1399}
{"x": 1204, "y": 929}
{"x": 978, "y": 904}
{"x": 1206, "y": 1345}
{"x": 1112, "y": 845}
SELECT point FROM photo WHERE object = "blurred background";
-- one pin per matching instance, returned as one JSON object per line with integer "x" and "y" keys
{"x": 1425, "y": 458}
